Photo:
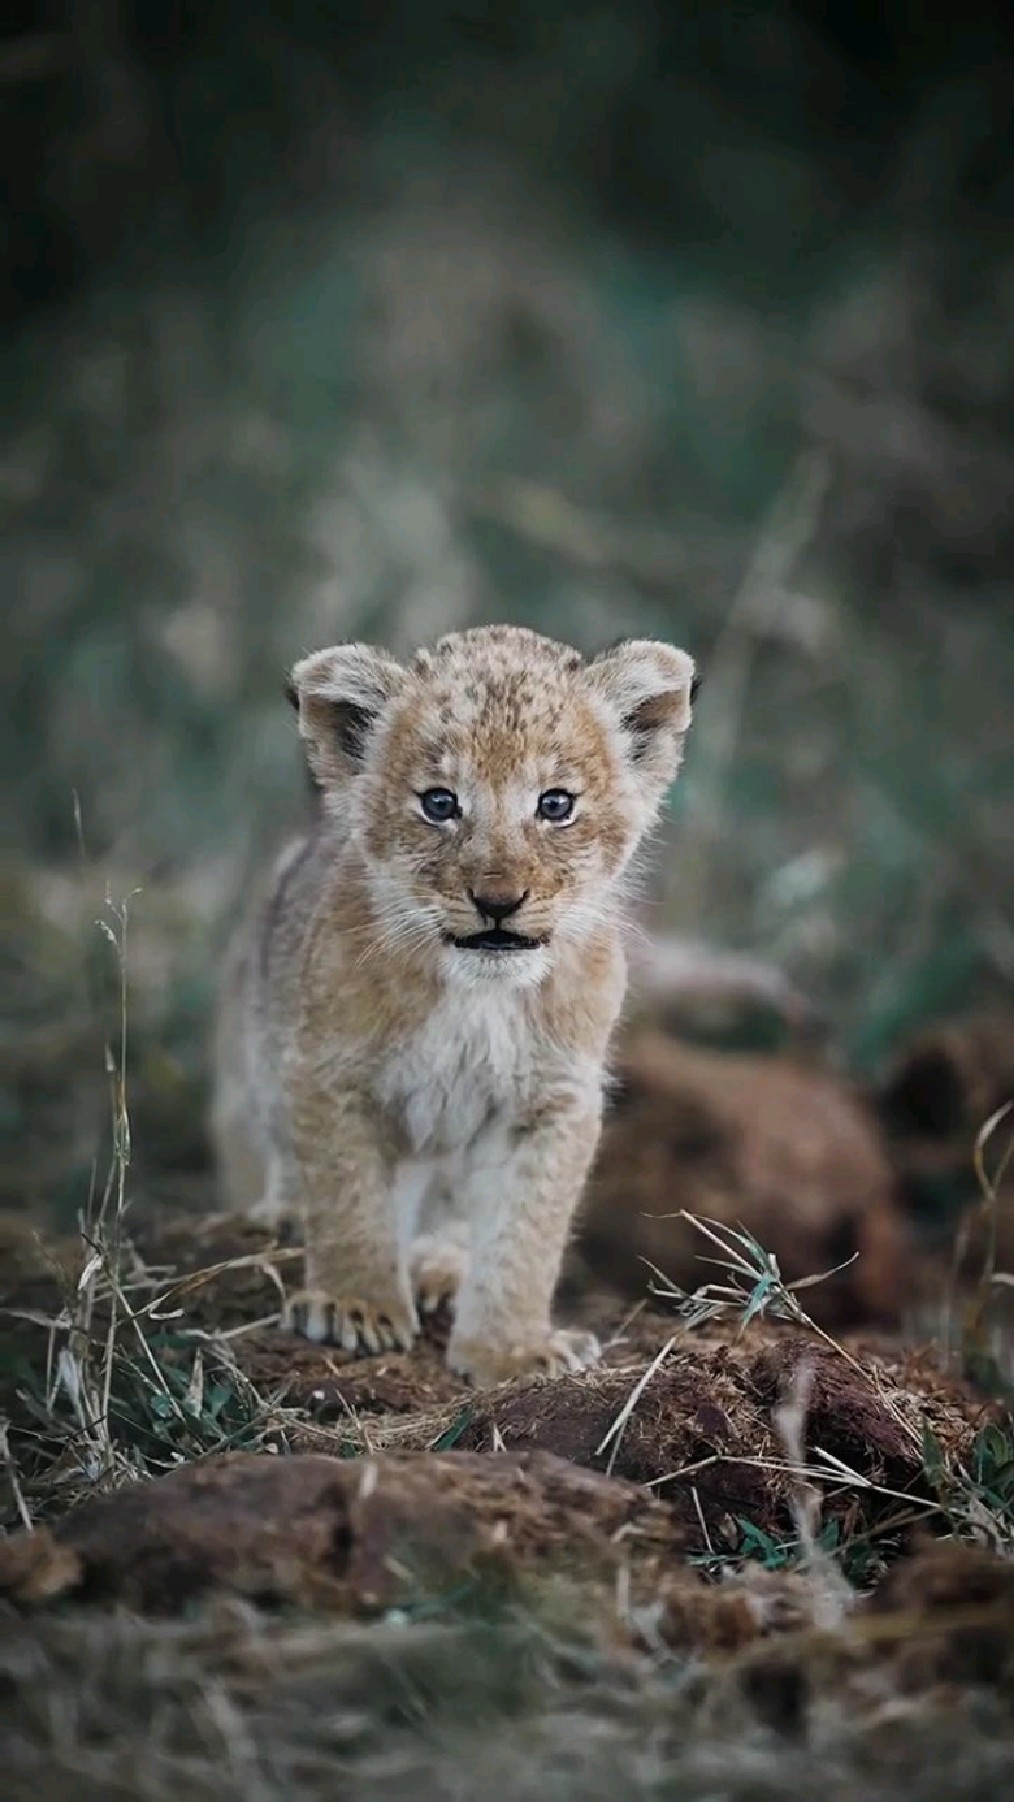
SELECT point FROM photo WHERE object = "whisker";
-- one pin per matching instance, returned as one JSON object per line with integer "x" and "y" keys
{"x": 394, "y": 928}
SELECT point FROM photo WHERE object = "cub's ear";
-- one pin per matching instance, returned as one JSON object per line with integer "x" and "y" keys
{"x": 339, "y": 694}
{"x": 650, "y": 689}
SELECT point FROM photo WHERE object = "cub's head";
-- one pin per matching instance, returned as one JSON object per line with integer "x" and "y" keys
{"x": 496, "y": 787}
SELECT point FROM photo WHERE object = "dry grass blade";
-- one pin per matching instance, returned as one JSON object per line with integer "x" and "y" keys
{"x": 989, "y": 1186}
{"x": 11, "y": 1471}
{"x": 264, "y": 1261}
{"x": 972, "y": 1340}
{"x": 614, "y": 1436}
{"x": 115, "y": 1405}
{"x": 765, "y": 1292}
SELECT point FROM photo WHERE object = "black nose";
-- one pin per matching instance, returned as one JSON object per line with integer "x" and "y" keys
{"x": 498, "y": 908}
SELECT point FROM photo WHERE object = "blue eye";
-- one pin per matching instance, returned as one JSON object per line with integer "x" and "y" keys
{"x": 440, "y": 805}
{"x": 556, "y": 805}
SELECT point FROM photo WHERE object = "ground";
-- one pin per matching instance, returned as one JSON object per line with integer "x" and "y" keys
{"x": 741, "y": 1554}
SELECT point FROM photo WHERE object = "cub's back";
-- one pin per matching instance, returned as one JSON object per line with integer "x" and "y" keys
{"x": 258, "y": 1000}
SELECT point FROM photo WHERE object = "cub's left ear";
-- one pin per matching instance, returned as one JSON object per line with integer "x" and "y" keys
{"x": 650, "y": 689}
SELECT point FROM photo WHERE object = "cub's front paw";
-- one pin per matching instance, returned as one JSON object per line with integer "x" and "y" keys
{"x": 437, "y": 1268}
{"x": 558, "y": 1353}
{"x": 348, "y": 1321}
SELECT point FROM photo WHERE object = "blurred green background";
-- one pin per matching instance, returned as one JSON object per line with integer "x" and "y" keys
{"x": 328, "y": 320}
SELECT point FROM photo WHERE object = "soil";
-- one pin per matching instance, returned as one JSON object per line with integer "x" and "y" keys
{"x": 631, "y": 1557}
{"x": 705, "y": 1429}
{"x": 516, "y": 1595}
{"x": 693, "y": 1418}
{"x": 338, "y": 1534}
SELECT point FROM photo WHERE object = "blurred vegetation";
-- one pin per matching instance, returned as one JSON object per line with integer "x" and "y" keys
{"x": 328, "y": 321}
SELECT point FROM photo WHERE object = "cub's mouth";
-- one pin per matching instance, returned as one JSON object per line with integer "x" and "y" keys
{"x": 495, "y": 938}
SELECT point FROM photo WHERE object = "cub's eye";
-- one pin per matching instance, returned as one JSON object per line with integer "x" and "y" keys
{"x": 440, "y": 805}
{"x": 556, "y": 805}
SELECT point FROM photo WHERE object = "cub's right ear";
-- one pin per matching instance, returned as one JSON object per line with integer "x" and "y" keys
{"x": 339, "y": 694}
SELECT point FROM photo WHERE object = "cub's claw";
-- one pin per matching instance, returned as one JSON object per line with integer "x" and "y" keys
{"x": 437, "y": 1268}
{"x": 354, "y": 1324}
{"x": 560, "y": 1352}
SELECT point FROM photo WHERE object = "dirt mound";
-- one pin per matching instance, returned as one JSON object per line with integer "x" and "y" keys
{"x": 705, "y": 1429}
{"x": 788, "y": 1151}
{"x": 704, "y": 1426}
{"x": 336, "y": 1534}
{"x": 564, "y": 1573}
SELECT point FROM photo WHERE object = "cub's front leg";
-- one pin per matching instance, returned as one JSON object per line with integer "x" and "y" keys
{"x": 521, "y": 1191}
{"x": 358, "y": 1293}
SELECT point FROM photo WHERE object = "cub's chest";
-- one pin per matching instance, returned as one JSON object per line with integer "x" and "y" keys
{"x": 474, "y": 1056}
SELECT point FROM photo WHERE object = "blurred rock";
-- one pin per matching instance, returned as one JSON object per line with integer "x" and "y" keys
{"x": 693, "y": 990}
{"x": 787, "y": 1151}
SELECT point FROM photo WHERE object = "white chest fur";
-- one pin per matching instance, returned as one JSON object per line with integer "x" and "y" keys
{"x": 475, "y": 1055}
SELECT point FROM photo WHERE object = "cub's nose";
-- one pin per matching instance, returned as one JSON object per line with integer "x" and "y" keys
{"x": 497, "y": 908}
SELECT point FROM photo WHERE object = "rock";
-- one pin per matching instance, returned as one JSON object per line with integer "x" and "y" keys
{"x": 690, "y": 990}
{"x": 765, "y": 1142}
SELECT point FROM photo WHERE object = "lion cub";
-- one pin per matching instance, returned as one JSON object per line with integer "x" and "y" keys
{"x": 412, "y": 1046}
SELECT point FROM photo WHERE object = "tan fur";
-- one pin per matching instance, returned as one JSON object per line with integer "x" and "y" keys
{"x": 432, "y": 1110}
